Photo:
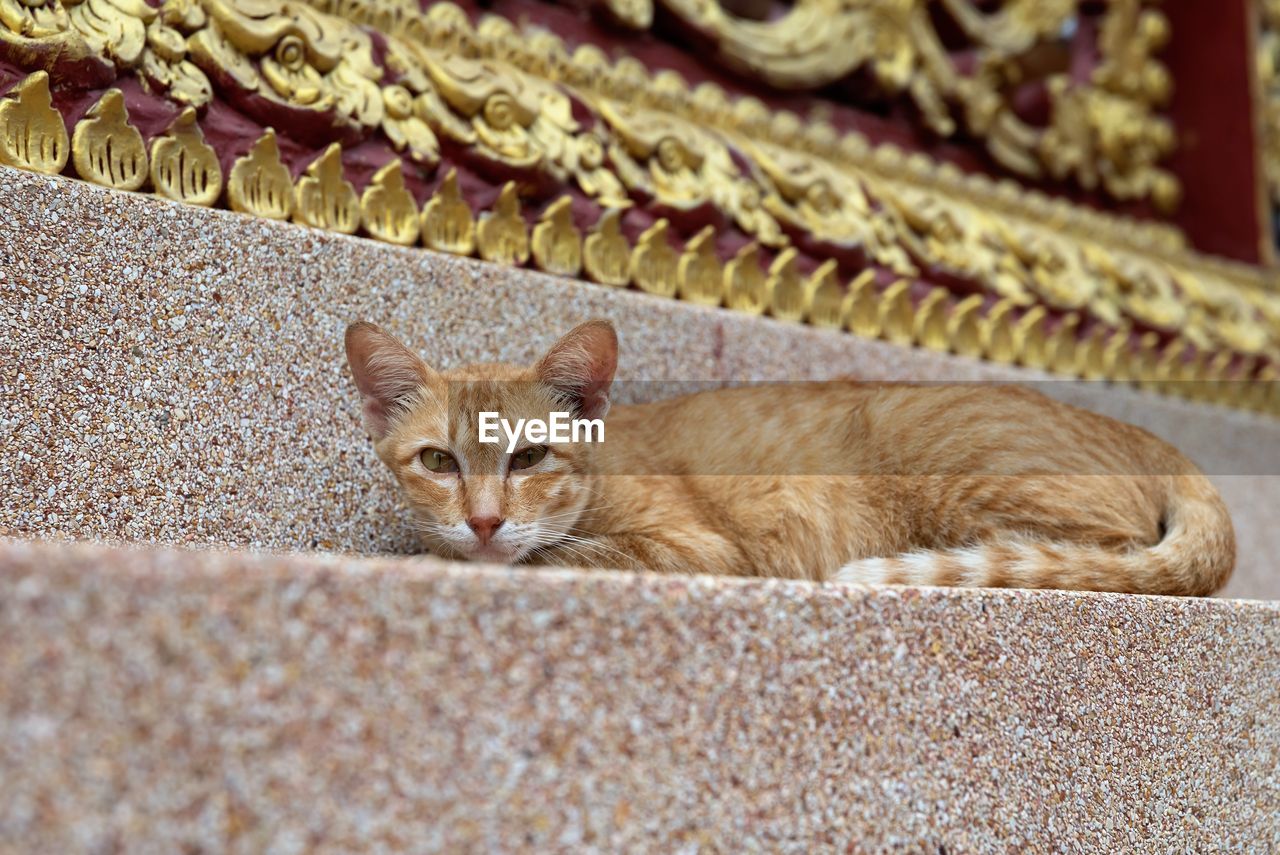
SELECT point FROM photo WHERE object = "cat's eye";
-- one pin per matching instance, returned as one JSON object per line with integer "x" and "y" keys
{"x": 440, "y": 462}
{"x": 527, "y": 457}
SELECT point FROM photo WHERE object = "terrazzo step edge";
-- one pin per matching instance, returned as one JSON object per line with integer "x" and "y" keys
{"x": 158, "y": 700}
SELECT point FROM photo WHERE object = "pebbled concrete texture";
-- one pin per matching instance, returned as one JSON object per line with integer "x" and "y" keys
{"x": 175, "y": 375}
{"x": 161, "y": 701}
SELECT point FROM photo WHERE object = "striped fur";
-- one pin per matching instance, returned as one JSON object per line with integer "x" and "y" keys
{"x": 1194, "y": 558}
{"x": 846, "y": 482}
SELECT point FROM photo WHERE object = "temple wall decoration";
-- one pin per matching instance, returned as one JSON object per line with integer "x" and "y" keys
{"x": 1014, "y": 181}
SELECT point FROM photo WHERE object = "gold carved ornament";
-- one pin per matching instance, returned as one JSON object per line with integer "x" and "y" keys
{"x": 387, "y": 208}
{"x": 1104, "y": 132}
{"x": 785, "y": 287}
{"x": 746, "y": 288}
{"x": 654, "y": 263}
{"x": 33, "y": 135}
{"x": 606, "y": 255}
{"x": 183, "y": 166}
{"x": 895, "y": 313}
{"x": 106, "y": 149}
{"x": 556, "y": 241}
{"x": 826, "y": 297}
{"x": 260, "y": 183}
{"x": 965, "y": 327}
{"x": 862, "y": 318}
{"x": 499, "y": 90}
{"x": 699, "y": 274}
{"x": 447, "y": 222}
{"x": 323, "y": 197}
{"x": 929, "y": 327}
{"x": 313, "y": 60}
{"x": 1000, "y": 341}
{"x": 501, "y": 234}
{"x": 838, "y": 191}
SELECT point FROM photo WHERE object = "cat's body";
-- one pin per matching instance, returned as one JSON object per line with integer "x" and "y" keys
{"x": 844, "y": 481}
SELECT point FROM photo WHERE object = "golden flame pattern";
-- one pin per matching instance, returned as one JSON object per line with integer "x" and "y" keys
{"x": 32, "y": 133}
{"x": 323, "y": 198}
{"x": 260, "y": 183}
{"x": 388, "y": 209}
{"x": 106, "y": 149}
{"x": 183, "y": 166}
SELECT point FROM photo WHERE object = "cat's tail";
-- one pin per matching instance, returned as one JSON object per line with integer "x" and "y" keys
{"x": 1194, "y": 558}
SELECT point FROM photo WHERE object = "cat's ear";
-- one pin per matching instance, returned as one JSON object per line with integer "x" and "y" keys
{"x": 581, "y": 365}
{"x": 387, "y": 373}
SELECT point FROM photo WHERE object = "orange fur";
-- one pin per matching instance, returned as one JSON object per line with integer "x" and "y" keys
{"x": 837, "y": 481}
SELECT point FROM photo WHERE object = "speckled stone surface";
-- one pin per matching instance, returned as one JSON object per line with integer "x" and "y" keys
{"x": 175, "y": 375}
{"x": 197, "y": 702}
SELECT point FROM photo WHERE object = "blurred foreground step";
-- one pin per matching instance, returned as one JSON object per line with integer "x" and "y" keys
{"x": 171, "y": 701}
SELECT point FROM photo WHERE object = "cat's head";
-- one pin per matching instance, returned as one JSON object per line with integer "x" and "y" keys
{"x": 479, "y": 500}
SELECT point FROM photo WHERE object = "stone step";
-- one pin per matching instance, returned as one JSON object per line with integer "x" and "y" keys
{"x": 178, "y": 376}
{"x": 189, "y": 701}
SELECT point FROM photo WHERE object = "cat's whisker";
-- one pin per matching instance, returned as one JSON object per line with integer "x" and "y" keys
{"x": 564, "y": 515}
{"x": 595, "y": 544}
{"x": 585, "y": 559}
{"x": 573, "y": 515}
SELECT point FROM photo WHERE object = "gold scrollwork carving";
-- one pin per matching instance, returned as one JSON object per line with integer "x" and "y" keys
{"x": 106, "y": 149}
{"x": 114, "y": 29}
{"x": 292, "y": 55}
{"x": 683, "y": 167}
{"x": 32, "y": 133}
{"x": 518, "y": 101}
{"x": 183, "y": 166}
{"x": 832, "y": 205}
{"x": 39, "y": 29}
{"x": 1108, "y": 120}
{"x": 405, "y": 129}
{"x": 164, "y": 60}
{"x": 488, "y": 87}
{"x": 520, "y": 56}
{"x": 512, "y": 118}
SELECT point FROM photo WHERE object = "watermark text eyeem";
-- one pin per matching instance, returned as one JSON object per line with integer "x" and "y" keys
{"x": 562, "y": 427}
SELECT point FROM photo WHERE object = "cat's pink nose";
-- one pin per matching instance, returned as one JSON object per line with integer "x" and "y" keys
{"x": 484, "y": 527}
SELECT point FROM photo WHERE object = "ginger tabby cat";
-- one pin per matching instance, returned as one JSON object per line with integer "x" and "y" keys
{"x": 837, "y": 481}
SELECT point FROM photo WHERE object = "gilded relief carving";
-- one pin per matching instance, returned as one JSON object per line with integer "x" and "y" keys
{"x": 517, "y": 102}
{"x": 1104, "y": 132}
